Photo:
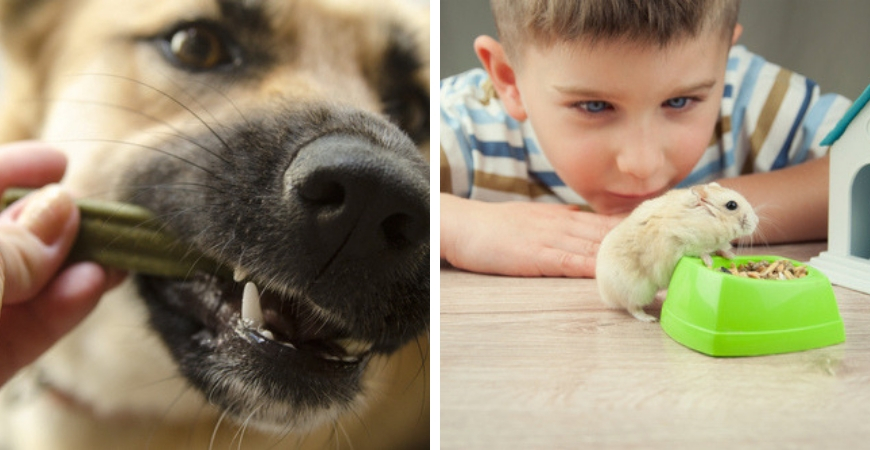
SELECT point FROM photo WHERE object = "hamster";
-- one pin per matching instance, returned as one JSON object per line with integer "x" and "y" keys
{"x": 637, "y": 258}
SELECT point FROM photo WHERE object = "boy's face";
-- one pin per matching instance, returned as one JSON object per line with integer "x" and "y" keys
{"x": 623, "y": 122}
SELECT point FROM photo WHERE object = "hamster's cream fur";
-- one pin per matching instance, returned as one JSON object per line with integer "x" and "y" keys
{"x": 637, "y": 258}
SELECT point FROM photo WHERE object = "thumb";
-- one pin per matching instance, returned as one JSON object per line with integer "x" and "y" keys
{"x": 35, "y": 236}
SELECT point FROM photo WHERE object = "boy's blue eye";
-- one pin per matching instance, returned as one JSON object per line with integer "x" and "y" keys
{"x": 677, "y": 102}
{"x": 595, "y": 106}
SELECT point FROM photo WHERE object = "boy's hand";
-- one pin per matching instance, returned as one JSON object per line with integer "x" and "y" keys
{"x": 40, "y": 300}
{"x": 521, "y": 239}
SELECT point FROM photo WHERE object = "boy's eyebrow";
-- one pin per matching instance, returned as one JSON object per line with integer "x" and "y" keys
{"x": 580, "y": 91}
{"x": 700, "y": 86}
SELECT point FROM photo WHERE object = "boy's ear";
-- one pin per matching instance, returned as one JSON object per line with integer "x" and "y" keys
{"x": 738, "y": 30}
{"x": 504, "y": 80}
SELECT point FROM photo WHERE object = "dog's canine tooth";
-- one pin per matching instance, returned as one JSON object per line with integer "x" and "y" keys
{"x": 353, "y": 347}
{"x": 252, "y": 312}
{"x": 239, "y": 274}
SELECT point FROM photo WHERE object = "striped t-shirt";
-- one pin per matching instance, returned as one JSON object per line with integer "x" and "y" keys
{"x": 770, "y": 118}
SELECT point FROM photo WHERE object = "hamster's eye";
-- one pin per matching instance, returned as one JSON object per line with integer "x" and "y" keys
{"x": 731, "y": 205}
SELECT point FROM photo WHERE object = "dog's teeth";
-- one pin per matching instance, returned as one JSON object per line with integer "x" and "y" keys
{"x": 239, "y": 274}
{"x": 252, "y": 313}
{"x": 353, "y": 347}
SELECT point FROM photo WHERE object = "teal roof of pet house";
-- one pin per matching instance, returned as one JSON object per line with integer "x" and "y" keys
{"x": 847, "y": 118}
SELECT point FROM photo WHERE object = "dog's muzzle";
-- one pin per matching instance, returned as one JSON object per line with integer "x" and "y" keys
{"x": 324, "y": 218}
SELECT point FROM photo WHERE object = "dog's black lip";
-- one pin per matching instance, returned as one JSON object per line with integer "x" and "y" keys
{"x": 210, "y": 325}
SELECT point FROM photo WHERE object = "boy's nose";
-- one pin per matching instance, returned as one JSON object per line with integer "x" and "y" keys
{"x": 642, "y": 154}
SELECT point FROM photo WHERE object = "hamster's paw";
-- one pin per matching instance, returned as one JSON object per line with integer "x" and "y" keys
{"x": 708, "y": 260}
{"x": 639, "y": 314}
{"x": 726, "y": 253}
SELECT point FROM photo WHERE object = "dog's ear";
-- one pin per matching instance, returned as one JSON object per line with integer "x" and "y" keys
{"x": 401, "y": 70}
{"x": 25, "y": 26}
{"x": 26, "y": 29}
{"x": 404, "y": 84}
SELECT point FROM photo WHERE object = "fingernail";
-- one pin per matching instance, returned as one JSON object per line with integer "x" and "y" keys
{"x": 46, "y": 213}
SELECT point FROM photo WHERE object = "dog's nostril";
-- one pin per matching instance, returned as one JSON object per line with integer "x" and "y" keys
{"x": 403, "y": 229}
{"x": 323, "y": 192}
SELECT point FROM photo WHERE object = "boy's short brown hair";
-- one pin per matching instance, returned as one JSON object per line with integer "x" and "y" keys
{"x": 546, "y": 22}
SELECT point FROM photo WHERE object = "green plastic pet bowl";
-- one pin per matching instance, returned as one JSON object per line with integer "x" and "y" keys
{"x": 720, "y": 314}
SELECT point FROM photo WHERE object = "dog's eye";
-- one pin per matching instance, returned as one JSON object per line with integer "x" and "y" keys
{"x": 410, "y": 111}
{"x": 198, "y": 47}
{"x": 405, "y": 101}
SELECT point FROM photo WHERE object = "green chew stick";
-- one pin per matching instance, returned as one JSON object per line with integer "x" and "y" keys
{"x": 129, "y": 237}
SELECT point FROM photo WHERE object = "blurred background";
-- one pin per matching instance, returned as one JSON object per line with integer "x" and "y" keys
{"x": 828, "y": 41}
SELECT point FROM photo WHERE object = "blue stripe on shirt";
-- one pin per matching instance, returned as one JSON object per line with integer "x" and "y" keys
{"x": 743, "y": 98}
{"x": 782, "y": 158}
{"x": 813, "y": 121}
{"x": 549, "y": 178}
{"x": 732, "y": 64}
{"x": 497, "y": 149}
{"x": 738, "y": 114}
{"x": 464, "y": 144}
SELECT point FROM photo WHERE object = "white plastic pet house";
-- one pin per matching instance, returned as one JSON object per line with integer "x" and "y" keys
{"x": 847, "y": 260}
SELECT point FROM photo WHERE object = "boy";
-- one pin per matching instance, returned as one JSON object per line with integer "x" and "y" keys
{"x": 600, "y": 105}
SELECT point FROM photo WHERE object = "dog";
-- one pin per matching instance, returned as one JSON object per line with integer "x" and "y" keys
{"x": 285, "y": 139}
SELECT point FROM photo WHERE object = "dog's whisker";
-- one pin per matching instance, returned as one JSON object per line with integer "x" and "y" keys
{"x": 179, "y": 88}
{"x": 192, "y": 141}
{"x": 164, "y": 417}
{"x": 173, "y": 100}
{"x": 347, "y": 438}
{"x": 359, "y": 419}
{"x": 177, "y": 186}
{"x": 336, "y": 438}
{"x": 143, "y": 146}
{"x": 214, "y": 432}
{"x": 217, "y": 91}
{"x": 285, "y": 433}
{"x": 421, "y": 371}
{"x": 154, "y": 119}
{"x": 240, "y": 433}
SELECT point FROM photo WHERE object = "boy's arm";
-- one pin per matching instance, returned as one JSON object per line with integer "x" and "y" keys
{"x": 792, "y": 203}
{"x": 521, "y": 239}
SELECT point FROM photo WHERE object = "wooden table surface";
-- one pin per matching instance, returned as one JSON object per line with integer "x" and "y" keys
{"x": 542, "y": 364}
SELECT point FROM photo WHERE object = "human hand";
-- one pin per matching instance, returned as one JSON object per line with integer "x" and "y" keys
{"x": 39, "y": 301}
{"x": 521, "y": 239}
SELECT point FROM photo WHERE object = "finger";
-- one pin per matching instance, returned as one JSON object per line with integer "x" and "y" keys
{"x": 30, "y": 164}
{"x": 559, "y": 263}
{"x": 591, "y": 226}
{"x": 580, "y": 247}
{"x": 34, "y": 242}
{"x": 29, "y": 329}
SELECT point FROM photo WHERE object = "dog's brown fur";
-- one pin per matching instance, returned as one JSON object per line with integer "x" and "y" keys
{"x": 80, "y": 75}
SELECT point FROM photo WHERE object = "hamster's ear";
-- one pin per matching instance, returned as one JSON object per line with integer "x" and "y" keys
{"x": 504, "y": 79}
{"x": 702, "y": 195}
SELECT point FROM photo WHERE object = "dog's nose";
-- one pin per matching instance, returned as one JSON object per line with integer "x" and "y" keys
{"x": 363, "y": 199}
